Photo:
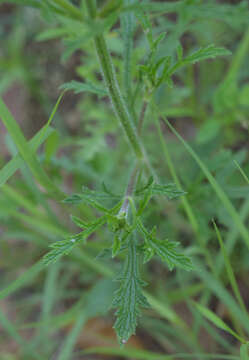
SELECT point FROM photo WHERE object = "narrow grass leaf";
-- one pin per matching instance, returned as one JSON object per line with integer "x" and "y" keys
{"x": 244, "y": 351}
{"x": 129, "y": 352}
{"x": 223, "y": 294}
{"x": 20, "y": 200}
{"x": 46, "y": 126}
{"x": 230, "y": 271}
{"x": 14, "y": 164}
{"x": 70, "y": 341}
{"x": 211, "y": 316}
{"x": 13, "y": 333}
{"x": 22, "y": 280}
{"x": 232, "y": 236}
{"x": 219, "y": 191}
{"x": 26, "y": 152}
{"x": 242, "y": 172}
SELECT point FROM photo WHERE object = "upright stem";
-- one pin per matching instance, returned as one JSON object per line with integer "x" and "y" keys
{"x": 118, "y": 102}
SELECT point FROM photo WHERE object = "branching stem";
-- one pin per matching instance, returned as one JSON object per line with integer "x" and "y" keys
{"x": 118, "y": 102}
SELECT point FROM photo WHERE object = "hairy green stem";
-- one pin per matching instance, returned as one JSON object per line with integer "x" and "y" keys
{"x": 118, "y": 102}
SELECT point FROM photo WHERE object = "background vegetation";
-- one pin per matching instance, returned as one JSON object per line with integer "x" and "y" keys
{"x": 193, "y": 121}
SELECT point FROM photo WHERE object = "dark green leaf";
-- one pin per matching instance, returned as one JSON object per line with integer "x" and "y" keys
{"x": 63, "y": 247}
{"x": 165, "y": 249}
{"x": 129, "y": 297}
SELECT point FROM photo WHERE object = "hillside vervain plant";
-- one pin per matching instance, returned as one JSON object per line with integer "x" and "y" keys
{"x": 133, "y": 242}
{"x": 129, "y": 233}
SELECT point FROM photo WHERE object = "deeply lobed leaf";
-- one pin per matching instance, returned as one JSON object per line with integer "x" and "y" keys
{"x": 169, "y": 190}
{"x": 165, "y": 249}
{"x": 209, "y": 52}
{"x": 63, "y": 247}
{"x": 129, "y": 297}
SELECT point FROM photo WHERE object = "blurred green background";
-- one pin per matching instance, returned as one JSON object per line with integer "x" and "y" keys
{"x": 62, "y": 311}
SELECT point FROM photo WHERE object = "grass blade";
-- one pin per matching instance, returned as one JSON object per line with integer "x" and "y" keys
{"x": 13, "y": 165}
{"x": 26, "y": 152}
{"x": 219, "y": 191}
{"x": 130, "y": 352}
{"x": 70, "y": 341}
{"x": 223, "y": 294}
{"x": 242, "y": 172}
{"x": 185, "y": 203}
{"x": 230, "y": 271}
{"x": 22, "y": 280}
{"x": 12, "y": 332}
{"x": 244, "y": 352}
{"x": 211, "y": 316}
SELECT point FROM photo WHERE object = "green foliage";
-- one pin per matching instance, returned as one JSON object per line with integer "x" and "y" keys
{"x": 162, "y": 70}
{"x": 25, "y": 151}
{"x": 244, "y": 352}
{"x": 168, "y": 190}
{"x": 164, "y": 249}
{"x": 64, "y": 247}
{"x": 217, "y": 321}
{"x": 129, "y": 297}
{"x": 153, "y": 60}
{"x": 209, "y": 52}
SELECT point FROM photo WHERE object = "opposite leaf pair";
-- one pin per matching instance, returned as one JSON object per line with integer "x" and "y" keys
{"x": 129, "y": 297}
